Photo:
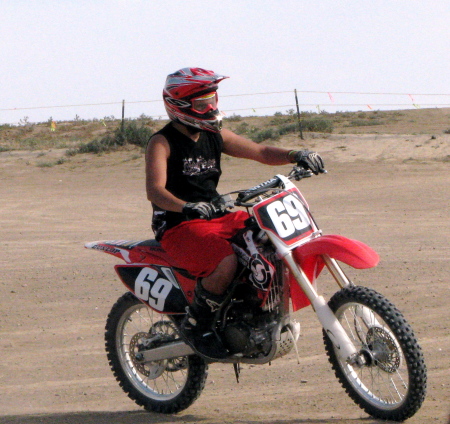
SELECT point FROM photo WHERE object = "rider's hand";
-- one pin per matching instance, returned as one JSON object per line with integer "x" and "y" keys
{"x": 202, "y": 210}
{"x": 308, "y": 160}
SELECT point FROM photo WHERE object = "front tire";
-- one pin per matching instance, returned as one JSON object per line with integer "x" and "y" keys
{"x": 167, "y": 386}
{"x": 392, "y": 383}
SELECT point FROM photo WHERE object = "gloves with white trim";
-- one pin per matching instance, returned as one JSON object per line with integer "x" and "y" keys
{"x": 308, "y": 160}
{"x": 199, "y": 210}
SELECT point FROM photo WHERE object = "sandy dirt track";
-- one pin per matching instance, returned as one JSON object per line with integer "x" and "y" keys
{"x": 390, "y": 192}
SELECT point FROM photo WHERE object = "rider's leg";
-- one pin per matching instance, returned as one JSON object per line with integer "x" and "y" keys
{"x": 197, "y": 326}
{"x": 218, "y": 281}
{"x": 203, "y": 249}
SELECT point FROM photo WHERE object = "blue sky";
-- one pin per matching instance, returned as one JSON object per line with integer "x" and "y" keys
{"x": 57, "y": 53}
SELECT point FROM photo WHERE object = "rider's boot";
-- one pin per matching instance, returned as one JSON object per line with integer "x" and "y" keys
{"x": 197, "y": 326}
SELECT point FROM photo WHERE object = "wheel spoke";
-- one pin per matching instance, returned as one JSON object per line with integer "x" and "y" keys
{"x": 377, "y": 384}
{"x": 383, "y": 386}
{"x": 167, "y": 386}
{"x": 148, "y": 377}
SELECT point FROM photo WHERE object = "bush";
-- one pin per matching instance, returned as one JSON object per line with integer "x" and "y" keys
{"x": 133, "y": 133}
{"x": 233, "y": 118}
{"x": 317, "y": 125}
{"x": 265, "y": 134}
{"x": 130, "y": 133}
{"x": 242, "y": 128}
{"x": 288, "y": 128}
{"x": 105, "y": 144}
{"x": 312, "y": 125}
{"x": 363, "y": 123}
{"x": 279, "y": 119}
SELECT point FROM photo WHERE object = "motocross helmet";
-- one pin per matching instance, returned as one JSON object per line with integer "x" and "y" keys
{"x": 190, "y": 97}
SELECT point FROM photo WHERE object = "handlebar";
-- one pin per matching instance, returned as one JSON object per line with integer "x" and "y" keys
{"x": 224, "y": 202}
{"x": 297, "y": 173}
{"x": 252, "y": 192}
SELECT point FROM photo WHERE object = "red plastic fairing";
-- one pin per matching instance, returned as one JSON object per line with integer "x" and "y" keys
{"x": 309, "y": 257}
{"x": 134, "y": 252}
{"x": 352, "y": 252}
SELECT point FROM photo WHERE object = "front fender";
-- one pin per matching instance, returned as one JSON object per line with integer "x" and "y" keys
{"x": 352, "y": 252}
{"x": 309, "y": 257}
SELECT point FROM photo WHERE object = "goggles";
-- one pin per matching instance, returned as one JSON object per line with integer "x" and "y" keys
{"x": 205, "y": 103}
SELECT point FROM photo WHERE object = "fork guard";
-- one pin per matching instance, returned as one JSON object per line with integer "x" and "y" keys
{"x": 310, "y": 258}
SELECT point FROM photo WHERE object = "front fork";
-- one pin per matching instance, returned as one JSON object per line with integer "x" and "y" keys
{"x": 344, "y": 346}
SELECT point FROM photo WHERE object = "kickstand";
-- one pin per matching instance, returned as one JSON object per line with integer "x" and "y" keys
{"x": 237, "y": 371}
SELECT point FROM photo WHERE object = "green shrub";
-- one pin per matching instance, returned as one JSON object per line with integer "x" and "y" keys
{"x": 288, "y": 128}
{"x": 105, "y": 144}
{"x": 363, "y": 123}
{"x": 45, "y": 164}
{"x": 129, "y": 133}
{"x": 30, "y": 143}
{"x": 317, "y": 125}
{"x": 265, "y": 134}
{"x": 280, "y": 119}
{"x": 233, "y": 118}
{"x": 133, "y": 133}
{"x": 242, "y": 128}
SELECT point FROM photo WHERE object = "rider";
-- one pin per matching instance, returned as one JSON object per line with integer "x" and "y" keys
{"x": 182, "y": 172}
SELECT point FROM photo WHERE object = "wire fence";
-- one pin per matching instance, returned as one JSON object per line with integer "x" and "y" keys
{"x": 249, "y": 104}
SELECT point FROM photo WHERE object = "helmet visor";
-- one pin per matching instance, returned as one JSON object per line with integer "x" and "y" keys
{"x": 205, "y": 103}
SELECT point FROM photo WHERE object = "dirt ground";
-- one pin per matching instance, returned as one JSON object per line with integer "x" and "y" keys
{"x": 392, "y": 192}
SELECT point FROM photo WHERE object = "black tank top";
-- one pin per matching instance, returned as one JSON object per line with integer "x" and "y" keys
{"x": 193, "y": 172}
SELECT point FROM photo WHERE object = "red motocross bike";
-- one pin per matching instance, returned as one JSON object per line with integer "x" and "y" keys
{"x": 281, "y": 252}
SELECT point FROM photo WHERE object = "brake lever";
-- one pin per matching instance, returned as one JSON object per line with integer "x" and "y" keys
{"x": 223, "y": 202}
{"x": 298, "y": 173}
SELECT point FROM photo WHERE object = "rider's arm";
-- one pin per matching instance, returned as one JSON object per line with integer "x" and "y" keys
{"x": 156, "y": 156}
{"x": 241, "y": 147}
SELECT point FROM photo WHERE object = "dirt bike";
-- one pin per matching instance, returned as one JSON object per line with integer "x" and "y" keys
{"x": 281, "y": 253}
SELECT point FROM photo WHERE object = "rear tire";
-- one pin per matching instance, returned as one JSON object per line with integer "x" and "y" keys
{"x": 392, "y": 384}
{"x": 167, "y": 386}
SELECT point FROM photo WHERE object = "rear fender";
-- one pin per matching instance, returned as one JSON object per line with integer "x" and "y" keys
{"x": 309, "y": 256}
{"x": 159, "y": 287}
{"x": 150, "y": 274}
{"x": 148, "y": 251}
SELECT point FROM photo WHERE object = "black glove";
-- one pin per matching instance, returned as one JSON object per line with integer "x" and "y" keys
{"x": 202, "y": 210}
{"x": 308, "y": 160}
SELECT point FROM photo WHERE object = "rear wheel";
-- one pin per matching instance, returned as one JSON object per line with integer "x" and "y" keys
{"x": 391, "y": 384}
{"x": 166, "y": 386}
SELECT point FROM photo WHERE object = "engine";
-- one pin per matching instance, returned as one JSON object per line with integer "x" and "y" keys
{"x": 247, "y": 328}
{"x": 255, "y": 308}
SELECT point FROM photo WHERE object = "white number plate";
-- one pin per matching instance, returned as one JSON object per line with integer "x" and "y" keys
{"x": 285, "y": 216}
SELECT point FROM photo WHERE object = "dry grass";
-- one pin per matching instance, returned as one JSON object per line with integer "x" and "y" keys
{"x": 73, "y": 133}
{"x": 412, "y": 121}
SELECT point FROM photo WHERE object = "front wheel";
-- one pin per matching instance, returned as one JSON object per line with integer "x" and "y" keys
{"x": 166, "y": 386}
{"x": 391, "y": 385}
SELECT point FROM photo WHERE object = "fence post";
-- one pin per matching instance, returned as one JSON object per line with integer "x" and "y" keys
{"x": 123, "y": 116}
{"x": 298, "y": 116}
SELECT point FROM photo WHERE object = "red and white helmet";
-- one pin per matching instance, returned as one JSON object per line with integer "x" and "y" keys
{"x": 190, "y": 97}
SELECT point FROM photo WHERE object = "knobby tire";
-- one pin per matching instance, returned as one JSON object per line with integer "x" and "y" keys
{"x": 400, "y": 371}
{"x": 128, "y": 310}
